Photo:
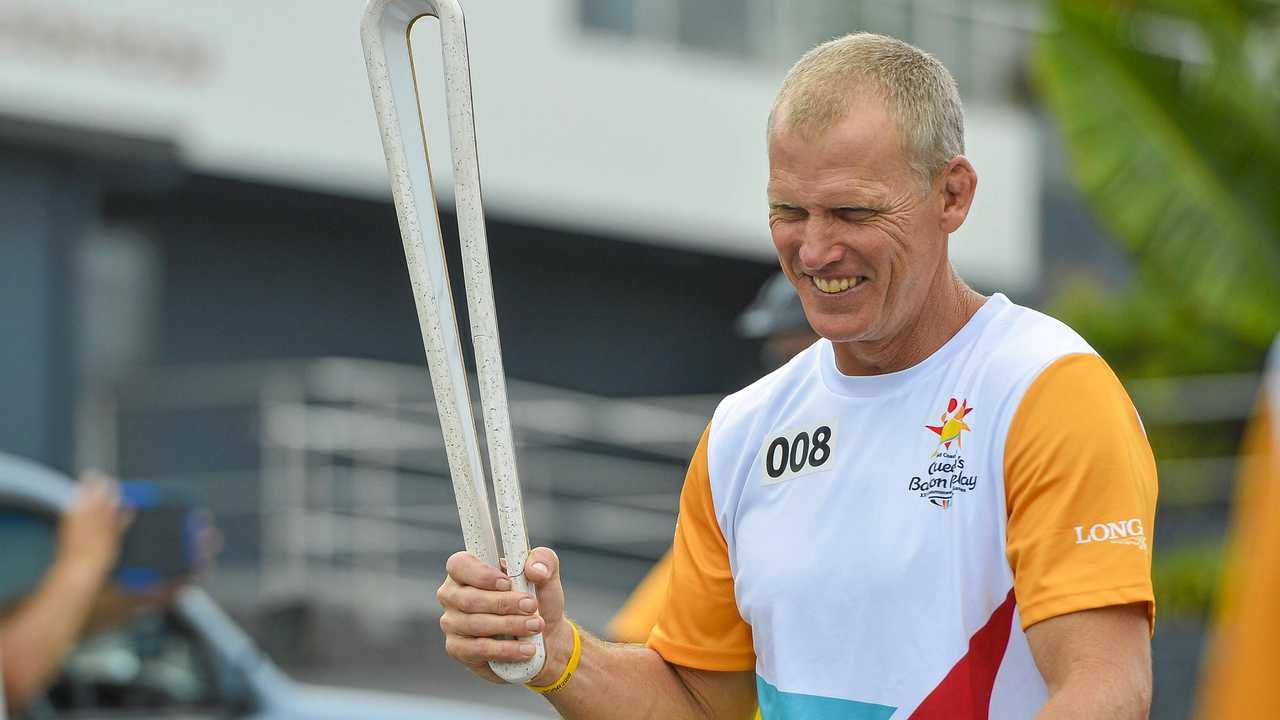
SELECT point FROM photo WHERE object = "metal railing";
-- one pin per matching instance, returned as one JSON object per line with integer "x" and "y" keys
{"x": 348, "y": 499}
{"x": 1196, "y": 477}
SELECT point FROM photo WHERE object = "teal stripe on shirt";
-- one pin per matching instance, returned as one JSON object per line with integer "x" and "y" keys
{"x": 778, "y": 705}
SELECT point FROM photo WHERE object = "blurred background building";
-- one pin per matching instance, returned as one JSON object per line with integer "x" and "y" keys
{"x": 202, "y": 284}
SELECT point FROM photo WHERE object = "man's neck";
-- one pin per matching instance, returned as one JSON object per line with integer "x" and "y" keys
{"x": 943, "y": 314}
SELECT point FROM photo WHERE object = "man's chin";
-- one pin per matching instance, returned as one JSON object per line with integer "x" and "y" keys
{"x": 841, "y": 330}
{"x": 854, "y": 322}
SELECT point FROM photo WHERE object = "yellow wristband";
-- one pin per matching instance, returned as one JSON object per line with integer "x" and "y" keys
{"x": 568, "y": 669}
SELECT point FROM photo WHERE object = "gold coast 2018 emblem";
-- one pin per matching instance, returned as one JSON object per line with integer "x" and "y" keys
{"x": 951, "y": 426}
{"x": 946, "y": 476}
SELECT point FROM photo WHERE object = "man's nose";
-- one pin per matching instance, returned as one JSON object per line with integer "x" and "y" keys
{"x": 819, "y": 247}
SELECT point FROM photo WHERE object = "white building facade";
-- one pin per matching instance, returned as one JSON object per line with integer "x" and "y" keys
{"x": 642, "y": 121}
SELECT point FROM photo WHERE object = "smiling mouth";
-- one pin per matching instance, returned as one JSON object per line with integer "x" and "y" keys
{"x": 835, "y": 286}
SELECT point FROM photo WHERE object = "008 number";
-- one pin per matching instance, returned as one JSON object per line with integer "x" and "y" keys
{"x": 798, "y": 452}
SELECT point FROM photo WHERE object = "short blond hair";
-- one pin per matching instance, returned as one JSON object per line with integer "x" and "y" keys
{"x": 921, "y": 95}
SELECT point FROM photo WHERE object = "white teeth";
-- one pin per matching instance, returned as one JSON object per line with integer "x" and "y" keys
{"x": 835, "y": 285}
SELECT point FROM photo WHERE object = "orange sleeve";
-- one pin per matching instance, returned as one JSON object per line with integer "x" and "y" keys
{"x": 1080, "y": 489}
{"x": 700, "y": 626}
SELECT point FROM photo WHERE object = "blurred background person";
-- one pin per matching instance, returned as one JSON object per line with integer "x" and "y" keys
{"x": 37, "y": 634}
{"x": 776, "y": 319}
{"x": 1244, "y": 653}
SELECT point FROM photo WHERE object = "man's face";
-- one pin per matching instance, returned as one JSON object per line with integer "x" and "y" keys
{"x": 856, "y": 230}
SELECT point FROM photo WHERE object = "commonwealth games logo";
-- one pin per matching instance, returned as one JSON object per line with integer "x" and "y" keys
{"x": 945, "y": 477}
{"x": 952, "y": 425}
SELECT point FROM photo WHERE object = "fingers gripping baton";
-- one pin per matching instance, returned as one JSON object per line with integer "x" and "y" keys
{"x": 384, "y": 31}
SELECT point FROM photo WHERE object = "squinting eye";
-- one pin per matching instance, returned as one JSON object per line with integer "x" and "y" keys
{"x": 855, "y": 213}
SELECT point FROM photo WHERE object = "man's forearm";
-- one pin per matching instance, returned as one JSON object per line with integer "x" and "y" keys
{"x": 1097, "y": 696}
{"x": 620, "y": 682}
{"x": 43, "y": 629}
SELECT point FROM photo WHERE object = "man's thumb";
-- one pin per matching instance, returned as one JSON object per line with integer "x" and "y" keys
{"x": 543, "y": 569}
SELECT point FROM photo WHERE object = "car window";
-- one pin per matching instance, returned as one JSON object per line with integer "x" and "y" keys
{"x": 155, "y": 667}
{"x": 29, "y": 539}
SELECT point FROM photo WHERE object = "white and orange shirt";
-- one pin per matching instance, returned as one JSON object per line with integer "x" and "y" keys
{"x": 875, "y": 547}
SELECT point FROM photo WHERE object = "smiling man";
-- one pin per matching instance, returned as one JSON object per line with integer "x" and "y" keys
{"x": 942, "y": 509}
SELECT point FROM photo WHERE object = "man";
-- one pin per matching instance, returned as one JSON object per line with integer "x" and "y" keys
{"x": 942, "y": 509}
{"x": 39, "y": 632}
{"x": 76, "y": 596}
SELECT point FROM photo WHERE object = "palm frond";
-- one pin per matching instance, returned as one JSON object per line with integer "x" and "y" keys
{"x": 1181, "y": 163}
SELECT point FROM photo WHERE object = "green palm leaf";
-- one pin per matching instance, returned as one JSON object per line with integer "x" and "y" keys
{"x": 1181, "y": 161}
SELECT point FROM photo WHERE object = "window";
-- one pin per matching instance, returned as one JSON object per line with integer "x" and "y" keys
{"x": 613, "y": 15}
{"x": 154, "y": 666}
{"x": 983, "y": 44}
{"x": 721, "y": 25}
{"x": 29, "y": 540}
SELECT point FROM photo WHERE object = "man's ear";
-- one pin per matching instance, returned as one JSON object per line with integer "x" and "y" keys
{"x": 958, "y": 182}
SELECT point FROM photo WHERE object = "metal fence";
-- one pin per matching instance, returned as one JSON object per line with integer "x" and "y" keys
{"x": 330, "y": 480}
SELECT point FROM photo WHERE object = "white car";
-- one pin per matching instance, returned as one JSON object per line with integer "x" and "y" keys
{"x": 188, "y": 662}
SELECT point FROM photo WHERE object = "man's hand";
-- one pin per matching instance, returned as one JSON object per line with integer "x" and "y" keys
{"x": 480, "y": 606}
{"x": 89, "y": 533}
{"x": 617, "y": 682}
{"x": 37, "y": 635}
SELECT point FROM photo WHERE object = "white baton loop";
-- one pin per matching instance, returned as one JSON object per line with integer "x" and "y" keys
{"x": 384, "y": 32}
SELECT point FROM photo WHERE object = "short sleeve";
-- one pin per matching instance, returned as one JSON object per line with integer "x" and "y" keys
{"x": 1080, "y": 488}
{"x": 700, "y": 626}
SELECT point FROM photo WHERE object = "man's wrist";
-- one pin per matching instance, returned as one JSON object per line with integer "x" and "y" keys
{"x": 79, "y": 573}
{"x": 559, "y": 644}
